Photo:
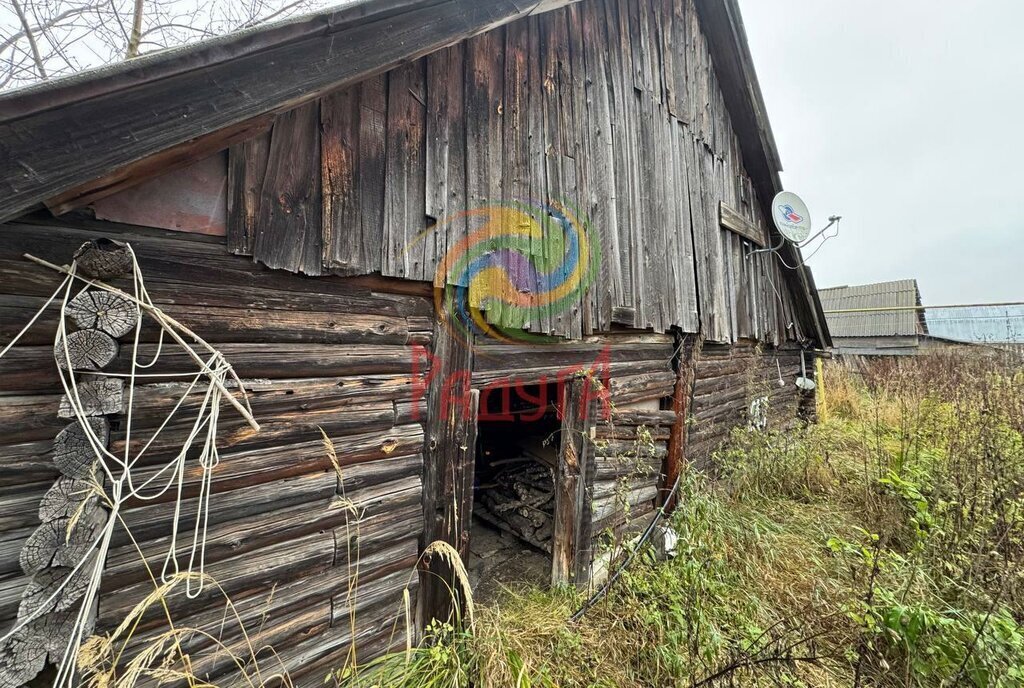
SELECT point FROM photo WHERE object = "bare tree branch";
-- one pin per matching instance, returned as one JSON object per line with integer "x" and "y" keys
{"x": 42, "y": 26}
{"x": 120, "y": 22}
{"x": 43, "y": 39}
{"x": 31, "y": 39}
{"x": 133, "y": 42}
{"x": 256, "y": 21}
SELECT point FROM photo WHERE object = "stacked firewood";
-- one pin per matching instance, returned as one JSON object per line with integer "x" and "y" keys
{"x": 520, "y": 498}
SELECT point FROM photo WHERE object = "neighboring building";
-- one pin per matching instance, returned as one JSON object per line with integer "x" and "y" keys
{"x": 999, "y": 326}
{"x": 372, "y": 212}
{"x": 881, "y": 319}
{"x": 888, "y": 319}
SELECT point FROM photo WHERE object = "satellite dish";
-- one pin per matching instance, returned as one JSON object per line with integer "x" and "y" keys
{"x": 791, "y": 216}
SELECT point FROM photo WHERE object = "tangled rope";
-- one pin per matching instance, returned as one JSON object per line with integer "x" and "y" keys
{"x": 211, "y": 379}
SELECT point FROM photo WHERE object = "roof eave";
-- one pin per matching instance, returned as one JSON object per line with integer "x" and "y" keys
{"x": 119, "y": 115}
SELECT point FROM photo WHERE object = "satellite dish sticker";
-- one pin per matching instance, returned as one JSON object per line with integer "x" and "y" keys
{"x": 790, "y": 215}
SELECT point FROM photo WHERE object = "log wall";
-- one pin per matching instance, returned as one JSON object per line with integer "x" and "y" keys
{"x": 728, "y": 379}
{"x": 630, "y": 451}
{"x": 283, "y": 535}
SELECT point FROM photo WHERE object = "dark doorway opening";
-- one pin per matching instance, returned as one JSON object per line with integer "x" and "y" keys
{"x": 516, "y": 460}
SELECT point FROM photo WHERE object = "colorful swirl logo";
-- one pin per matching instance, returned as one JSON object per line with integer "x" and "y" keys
{"x": 518, "y": 263}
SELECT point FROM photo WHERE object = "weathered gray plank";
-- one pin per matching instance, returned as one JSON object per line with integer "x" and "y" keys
{"x": 247, "y": 167}
{"x": 485, "y": 64}
{"x": 405, "y": 215}
{"x": 445, "y": 157}
{"x": 290, "y": 222}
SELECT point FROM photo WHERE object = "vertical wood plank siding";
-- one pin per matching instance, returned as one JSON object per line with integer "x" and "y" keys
{"x": 337, "y": 357}
{"x": 610, "y": 105}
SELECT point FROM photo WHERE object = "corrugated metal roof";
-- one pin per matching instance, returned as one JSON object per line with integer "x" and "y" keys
{"x": 900, "y": 293}
{"x": 989, "y": 324}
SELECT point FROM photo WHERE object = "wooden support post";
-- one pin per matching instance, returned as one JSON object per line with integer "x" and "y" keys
{"x": 570, "y": 482}
{"x": 682, "y": 396}
{"x": 448, "y": 467}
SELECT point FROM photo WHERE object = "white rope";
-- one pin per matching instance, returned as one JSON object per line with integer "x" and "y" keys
{"x": 121, "y": 471}
{"x": 35, "y": 317}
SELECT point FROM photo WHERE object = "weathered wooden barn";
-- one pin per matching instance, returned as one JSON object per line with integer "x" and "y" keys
{"x": 498, "y": 251}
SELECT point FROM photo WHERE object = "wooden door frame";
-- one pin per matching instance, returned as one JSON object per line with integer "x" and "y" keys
{"x": 571, "y": 540}
{"x": 449, "y": 470}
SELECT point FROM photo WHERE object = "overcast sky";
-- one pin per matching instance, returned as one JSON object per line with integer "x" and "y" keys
{"x": 904, "y": 117}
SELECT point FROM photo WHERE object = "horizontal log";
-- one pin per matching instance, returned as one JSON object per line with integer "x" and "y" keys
{"x": 628, "y": 432}
{"x": 222, "y": 324}
{"x": 27, "y": 463}
{"x": 629, "y": 338}
{"x": 235, "y": 434}
{"x": 315, "y": 657}
{"x": 369, "y": 647}
{"x": 626, "y": 390}
{"x": 752, "y": 365}
{"x": 629, "y": 448}
{"x": 32, "y": 368}
{"x": 622, "y": 526}
{"x": 616, "y": 488}
{"x": 11, "y": 588}
{"x": 706, "y": 386}
{"x": 246, "y": 468}
{"x": 383, "y": 574}
{"x": 647, "y": 418}
{"x": 258, "y": 651}
{"x": 509, "y": 359}
{"x": 152, "y": 520}
{"x": 392, "y": 577}
{"x": 548, "y": 375}
{"x": 265, "y": 525}
{"x": 19, "y": 505}
{"x": 28, "y": 418}
{"x": 124, "y": 565}
{"x": 304, "y": 556}
{"x": 411, "y": 412}
{"x": 422, "y": 322}
{"x": 605, "y": 507}
{"x": 712, "y": 349}
{"x": 617, "y": 339}
{"x": 612, "y": 469}
{"x": 11, "y": 542}
{"x": 310, "y": 663}
{"x": 276, "y": 626}
{"x": 354, "y": 480}
{"x": 191, "y": 270}
{"x": 710, "y": 402}
{"x": 734, "y": 411}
